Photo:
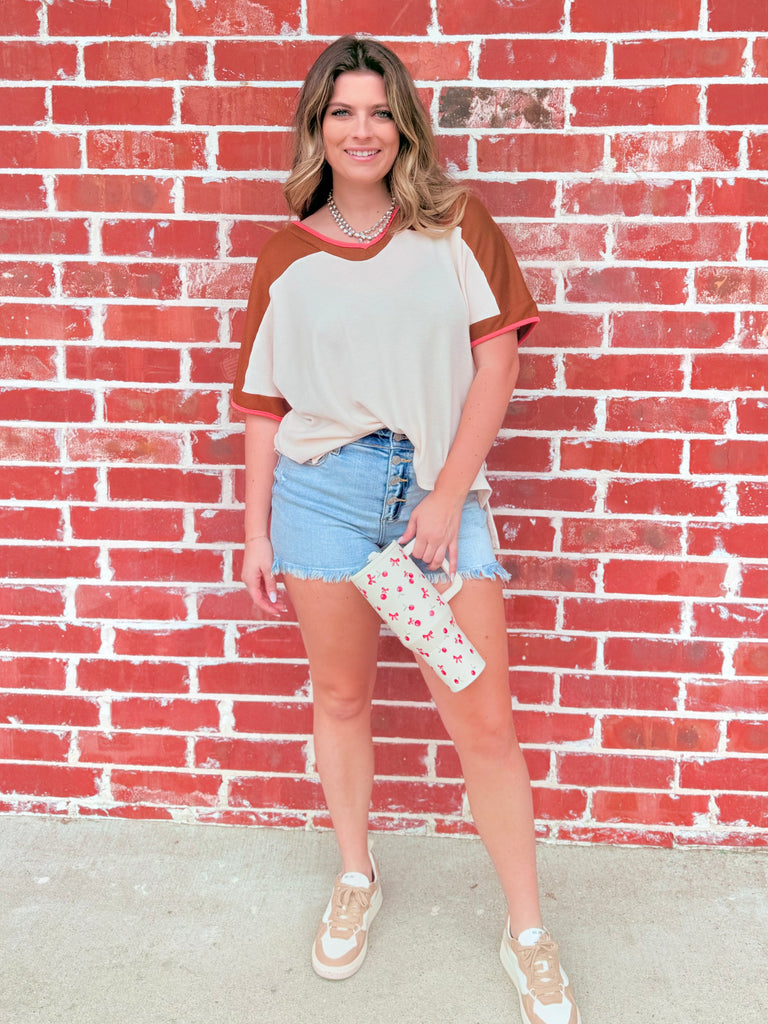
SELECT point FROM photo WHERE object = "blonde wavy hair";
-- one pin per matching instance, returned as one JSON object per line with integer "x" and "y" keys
{"x": 428, "y": 198}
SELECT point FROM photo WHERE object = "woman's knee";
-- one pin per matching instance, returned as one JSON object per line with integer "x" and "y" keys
{"x": 340, "y": 699}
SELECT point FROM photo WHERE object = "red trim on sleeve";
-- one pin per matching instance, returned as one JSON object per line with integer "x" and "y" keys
{"x": 532, "y": 320}
{"x": 255, "y": 412}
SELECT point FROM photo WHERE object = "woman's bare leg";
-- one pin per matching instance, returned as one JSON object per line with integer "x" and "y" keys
{"x": 479, "y": 721}
{"x": 340, "y": 632}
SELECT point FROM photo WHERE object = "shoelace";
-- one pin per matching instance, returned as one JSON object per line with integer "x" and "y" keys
{"x": 348, "y": 906}
{"x": 542, "y": 971}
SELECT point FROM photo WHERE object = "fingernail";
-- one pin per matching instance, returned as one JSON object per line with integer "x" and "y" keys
{"x": 273, "y": 598}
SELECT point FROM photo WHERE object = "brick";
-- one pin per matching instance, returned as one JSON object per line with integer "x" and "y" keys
{"x": 31, "y": 601}
{"x": 108, "y": 193}
{"x": 747, "y": 737}
{"x": 27, "y": 362}
{"x": 650, "y": 16}
{"x": 250, "y": 755}
{"x": 113, "y": 675}
{"x": 22, "y": 105}
{"x": 215, "y": 526}
{"x": 752, "y": 498}
{"x": 401, "y": 759}
{"x": 118, "y": 18}
{"x": 38, "y": 149}
{"x": 234, "y": 196}
{"x": 110, "y": 445}
{"x": 245, "y": 151}
{"x": 524, "y": 533}
{"x": 150, "y": 150}
{"x": 667, "y": 414}
{"x": 746, "y": 285}
{"x": 642, "y": 285}
{"x": 218, "y": 447}
{"x": 169, "y": 564}
{"x": 501, "y": 107}
{"x": 47, "y": 405}
{"x": 541, "y": 59}
{"x": 120, "y": 280}
{"x": 614, "y": 105}
{"x": 60, "y": 561}
{"x": 36, "y": 483}
{"x": 649, "y": 808}
{"x": 49, "y": 709}
{"x": 137, "y": 405}
{"x": 743, "y": 540}
{"x": 264, "y": 678}
{"x": 743, "y": 808}
{"x": 555, "y": 651}
{"x": 174, "y": 485}
{"x": 726, "y": 457}
{"x": 550, "y": 494}
{"x": 247, "y": 238}
{"x": 174, "y": 239}
{"x": 21, "y": 17}
{"x": 751, "y": 659}
{"x": 219, "y": 280}
{"x": 447, "y": 763}
{"x": 760, "y": 56}
{"x": 522, "y": 454}
{"x": 563, "y": 412}
{"x": 545, "y": 153}
{"x": 33, "y": 673}
{"x": 757, "y": 242}
{"x": 673, "y": 329}
{"x": 537, "y": 370}
{"x": 754, "y": 580}
{"x": 143, "y": 365}
{"x": 51, "y": 781}
{"x": 31, "y": 60}
{"x": 675, "y": 242}
{"x": 678, "y": 58}
{"x": 737, "y": 104}
{"x": 676, "y": 151}
{"x": 566, "y": 330}
{"x": 553, "y": 727}
{"x": 237, "y": 104}
{"x": 652, "y": 456}
{"x": 556, "y": 241}
{"x": 723, "y": 773}
{"x": 643, "y": 692}
{"x": 130, "y": 60}
{"x": 741, "y": 371}
{"x": 414, "y": 797}
{"x": 270, "y": 640}
{"x": 615, "y": 770}
{"x": 27, "y": 444}
{"x": 116, "y": 602}
{"x": 559, "y": 804}
{"x": 757, "y": 151}
{"x": 132, "y": 748}
{"x": 35, "y": 523}
{"x": 26, "y": 280}
{"x": 238, "y": 60}
{"x": 528, "y": 198}
{"x": 165, "y": 787}
{"x": 621, "y": 535}
{"x": 617, "y": 616}
{"x": 732, "y": 197}
{"x": 195, "y": 642}
{"x": 453, "y": 152}
{"x": 567, "y": 575}
{"x": 407, "y": 722}
{"x": 276, "y": 791}
{"x": 616, "y": 836}
{"x": 648, "y": 655}
{"x": 623, "y": 372}
{"x": 664, "y": 497}
{"x": 748, "y": 16}
{"x": 664, "y": 577}
{"x": 732, "y": 695}
{"x": 237, "y": 17}
{"x": 530, "y": 613}
{"x": 627, "y": 198}
{"x": 110, "y": 522}
{"x": 489, "y": 17}
{"x": 20, "y": 320}
{"x": 112, "y": 104}
{"x": 652, "y": 733}
{"x": 21, "y": 192}
{"x": 333, "y": 17}
{"x": 32, "y": 745}
{"x": 161, "y": 323}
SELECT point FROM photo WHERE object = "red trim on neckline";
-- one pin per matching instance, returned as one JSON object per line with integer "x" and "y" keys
{"x": 349, "y": 245}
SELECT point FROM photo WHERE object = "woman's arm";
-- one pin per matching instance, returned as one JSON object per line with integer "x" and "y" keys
{"x": 435, "y": 520}
{"x": 260, "y": 459}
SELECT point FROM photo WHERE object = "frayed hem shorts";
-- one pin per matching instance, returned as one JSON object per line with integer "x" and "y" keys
{"x": 329, "y": 515}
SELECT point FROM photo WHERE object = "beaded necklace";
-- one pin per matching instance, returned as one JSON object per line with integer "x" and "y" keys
{"x": 363, "y": 236}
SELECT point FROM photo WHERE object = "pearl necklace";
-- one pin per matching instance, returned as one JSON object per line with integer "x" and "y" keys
{"x": 363, "y": 236}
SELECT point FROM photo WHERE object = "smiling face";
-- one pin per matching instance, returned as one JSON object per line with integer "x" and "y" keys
{"x": 359, "y": 133}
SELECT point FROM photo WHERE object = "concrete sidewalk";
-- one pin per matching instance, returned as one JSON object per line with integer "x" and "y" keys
{"x": 133, "y": 922}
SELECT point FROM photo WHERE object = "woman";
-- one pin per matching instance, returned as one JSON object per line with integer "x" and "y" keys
{"x": 379, "y": 355}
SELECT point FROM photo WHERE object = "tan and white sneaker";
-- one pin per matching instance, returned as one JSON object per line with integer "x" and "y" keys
{"x": 342, "y": 938}
{"x": 541, "y": 983}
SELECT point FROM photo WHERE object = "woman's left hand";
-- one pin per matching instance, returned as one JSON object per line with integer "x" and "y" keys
{"x": 434, "y": 523}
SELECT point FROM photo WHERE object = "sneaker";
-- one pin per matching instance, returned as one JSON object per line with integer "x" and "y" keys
{"x": 342, "y": 938}
{"x": 541, "y": 983}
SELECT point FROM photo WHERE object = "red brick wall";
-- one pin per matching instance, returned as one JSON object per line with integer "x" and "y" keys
{"x": 624, "y": 149}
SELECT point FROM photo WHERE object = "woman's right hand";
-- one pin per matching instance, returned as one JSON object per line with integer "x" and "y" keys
{"x": 257, "y": 575}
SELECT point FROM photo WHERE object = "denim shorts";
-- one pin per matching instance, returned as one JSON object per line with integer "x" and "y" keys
{"x": 330, "y": 514}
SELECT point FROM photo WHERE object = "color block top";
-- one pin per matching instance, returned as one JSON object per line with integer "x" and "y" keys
{"x": 342, "y": 339}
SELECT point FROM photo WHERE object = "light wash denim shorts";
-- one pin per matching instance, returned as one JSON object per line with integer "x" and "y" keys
{"x": 329, "y": 515}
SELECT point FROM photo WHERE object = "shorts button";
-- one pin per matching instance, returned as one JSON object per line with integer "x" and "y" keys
{"x": 396, "y": 460}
